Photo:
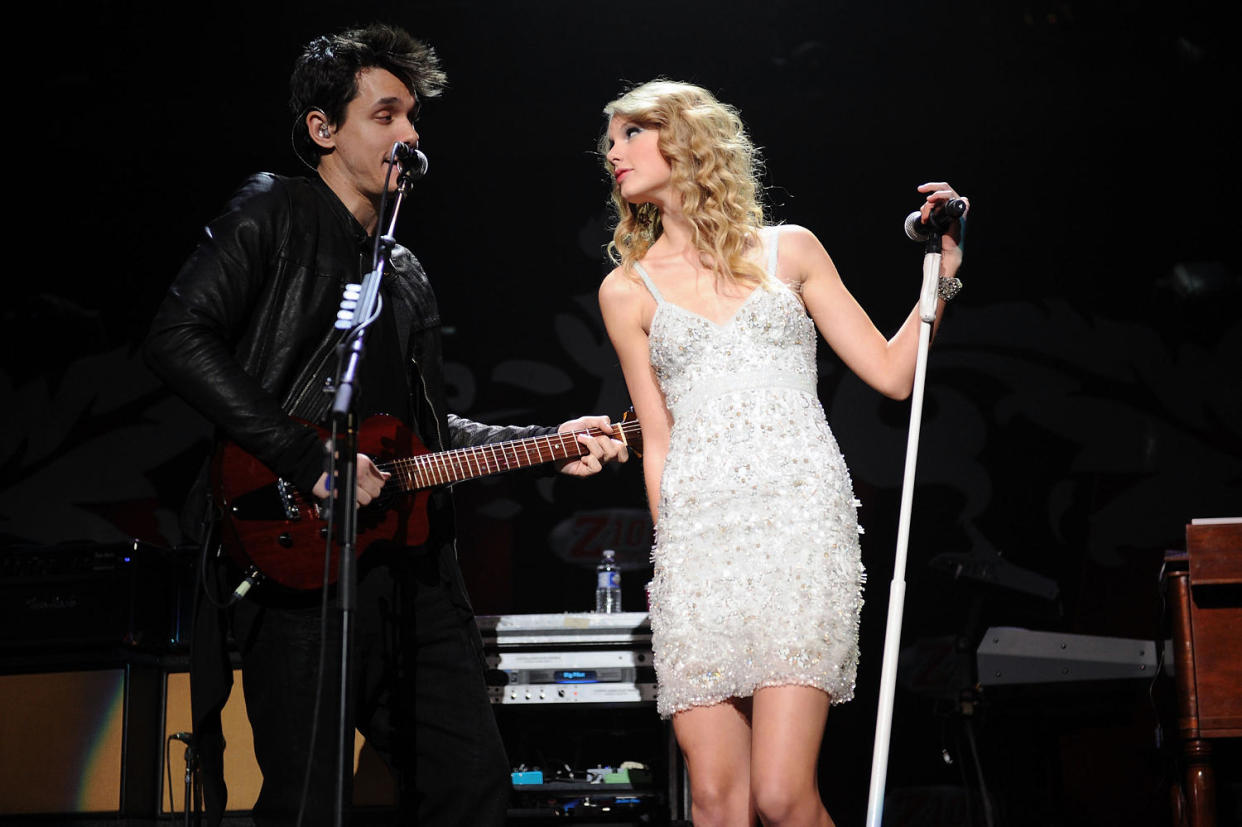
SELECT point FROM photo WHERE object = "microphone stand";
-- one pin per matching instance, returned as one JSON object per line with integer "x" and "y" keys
{"x": 897, "y": 589}
{"x": 360, "y": 307}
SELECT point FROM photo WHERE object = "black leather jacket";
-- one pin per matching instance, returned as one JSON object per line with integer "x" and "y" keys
{"x": 245, "y": 334}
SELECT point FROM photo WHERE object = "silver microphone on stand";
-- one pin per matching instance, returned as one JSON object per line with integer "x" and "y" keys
{"x": 412, "y": 161}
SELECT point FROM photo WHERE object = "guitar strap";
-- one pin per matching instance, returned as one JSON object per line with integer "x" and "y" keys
{"x": 308, "y": 398}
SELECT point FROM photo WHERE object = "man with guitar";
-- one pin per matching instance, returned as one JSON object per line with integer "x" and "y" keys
{"x": 246, "y": 336}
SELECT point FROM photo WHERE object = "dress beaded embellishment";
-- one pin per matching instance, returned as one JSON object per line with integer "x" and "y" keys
{"x": 757, "y": 568}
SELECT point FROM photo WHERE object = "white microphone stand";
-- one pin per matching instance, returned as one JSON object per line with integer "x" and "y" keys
{"x": 897, "y": 589}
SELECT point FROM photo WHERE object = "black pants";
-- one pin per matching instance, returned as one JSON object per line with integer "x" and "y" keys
{"x": 420, "y": 700}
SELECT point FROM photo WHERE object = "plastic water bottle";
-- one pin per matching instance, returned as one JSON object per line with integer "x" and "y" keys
{"x": 608, "y": 584}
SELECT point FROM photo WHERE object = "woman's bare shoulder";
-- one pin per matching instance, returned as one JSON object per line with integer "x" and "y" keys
{"x": 796, "y": 239}
{"x": 620, "y": 288}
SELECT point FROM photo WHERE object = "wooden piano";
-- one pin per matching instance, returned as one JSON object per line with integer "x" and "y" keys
{"x": 1204, "y": 587}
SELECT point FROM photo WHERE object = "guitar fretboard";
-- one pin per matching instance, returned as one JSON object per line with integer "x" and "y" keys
{"x": 459, "y": 464}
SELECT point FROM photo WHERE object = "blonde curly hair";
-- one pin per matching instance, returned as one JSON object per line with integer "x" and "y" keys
{"x": 715, "y": 170}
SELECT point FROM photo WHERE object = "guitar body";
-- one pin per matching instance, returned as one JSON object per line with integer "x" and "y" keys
{"x": 272, "y": 526}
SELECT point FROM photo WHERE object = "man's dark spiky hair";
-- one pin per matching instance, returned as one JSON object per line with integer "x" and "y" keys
{"x": 325, "y": 76}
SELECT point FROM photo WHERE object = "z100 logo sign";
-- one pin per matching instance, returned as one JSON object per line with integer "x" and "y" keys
{"x": 582, "y": 538}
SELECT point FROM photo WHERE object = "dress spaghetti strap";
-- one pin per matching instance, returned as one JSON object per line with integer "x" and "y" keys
{"x": 650, "y": 285}
{"x": 774, "y": 244}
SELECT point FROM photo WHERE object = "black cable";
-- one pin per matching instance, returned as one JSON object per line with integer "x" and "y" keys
{"x": 1162, "y": 610}
{"x": 323, "y": 640}
{"x": 208, "y": 529}
{"x": 168, "y": 765}
{"x": 983, "y": 787}
{"x": 961, "y": 771}
{"x": 1168, "y": 758}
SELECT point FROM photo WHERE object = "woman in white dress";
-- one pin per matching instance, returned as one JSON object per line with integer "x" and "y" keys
{"x": 758, "y": 576}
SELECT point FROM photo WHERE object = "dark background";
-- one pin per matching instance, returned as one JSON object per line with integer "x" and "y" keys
{"x": 1083, "y": 399}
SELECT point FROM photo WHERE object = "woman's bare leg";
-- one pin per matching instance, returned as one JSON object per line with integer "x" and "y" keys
{"x": 787, "y": 730}
{"x": 715, "y": 741}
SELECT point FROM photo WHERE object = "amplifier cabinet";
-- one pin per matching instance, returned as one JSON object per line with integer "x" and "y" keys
{"x": 77, "y": 596}
{"x": 79, "y": 741}
{"x": 98, "y": 741}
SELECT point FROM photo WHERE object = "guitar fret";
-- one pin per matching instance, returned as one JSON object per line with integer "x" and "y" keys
{"x": 526, "y": 448}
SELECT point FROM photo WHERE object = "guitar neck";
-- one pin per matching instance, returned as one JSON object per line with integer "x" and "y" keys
{"x": 460, "y": 464}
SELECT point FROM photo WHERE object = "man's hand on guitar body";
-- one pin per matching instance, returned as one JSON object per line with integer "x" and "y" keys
{"x": 370, "y": 480}
{"x": 603, "y": 449}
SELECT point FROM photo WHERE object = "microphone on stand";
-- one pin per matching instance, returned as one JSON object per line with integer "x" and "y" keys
{"x": 942, "y": 217}
{"x": 412, "y": 161}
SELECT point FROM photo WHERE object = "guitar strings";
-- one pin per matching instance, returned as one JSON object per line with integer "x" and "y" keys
{"x": 427, "y": 470}
{"x": 472, "y": 454}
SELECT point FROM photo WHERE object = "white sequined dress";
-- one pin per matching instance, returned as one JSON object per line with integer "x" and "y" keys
{"x": 758, "y": 571}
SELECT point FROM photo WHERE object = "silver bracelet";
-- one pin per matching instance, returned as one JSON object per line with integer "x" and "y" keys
{"x": 948, "y": 288}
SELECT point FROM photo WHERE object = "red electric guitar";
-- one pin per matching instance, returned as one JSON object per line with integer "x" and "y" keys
{"x": 270, "y": 525}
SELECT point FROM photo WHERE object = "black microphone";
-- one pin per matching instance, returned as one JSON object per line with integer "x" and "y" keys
{"x": 942, "y": 217}
{"x": 413, "y": 162}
